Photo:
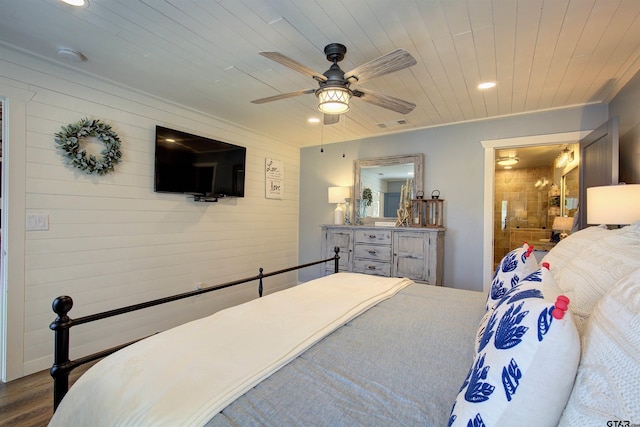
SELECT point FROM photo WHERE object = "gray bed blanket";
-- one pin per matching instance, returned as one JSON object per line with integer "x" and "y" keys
{"x": 401, "y": 363}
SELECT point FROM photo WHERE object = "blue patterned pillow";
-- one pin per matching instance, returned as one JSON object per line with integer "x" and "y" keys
{"x": 526, "y": 359}
{"x": 515, "y": 265}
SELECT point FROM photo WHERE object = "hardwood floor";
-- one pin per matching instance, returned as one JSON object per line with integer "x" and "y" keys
{"x": 28, "y": 401}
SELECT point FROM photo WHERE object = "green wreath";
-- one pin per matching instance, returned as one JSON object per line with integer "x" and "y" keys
{"x": 367, "y": 196}
{"x": 69, "y": 141}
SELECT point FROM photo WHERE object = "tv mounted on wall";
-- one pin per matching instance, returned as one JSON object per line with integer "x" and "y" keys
{"x": 205, "y": 168}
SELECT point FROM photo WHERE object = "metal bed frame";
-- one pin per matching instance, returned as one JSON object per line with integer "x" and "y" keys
{"x": 62, "y": 366}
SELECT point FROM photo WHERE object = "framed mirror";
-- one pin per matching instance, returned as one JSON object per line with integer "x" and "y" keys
{"x": 382, "y": 178}
{"x": 569, "y": 190}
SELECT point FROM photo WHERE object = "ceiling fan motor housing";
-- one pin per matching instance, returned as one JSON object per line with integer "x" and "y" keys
{"x": 335, "y": 52}
{"x": 335, "y": 76}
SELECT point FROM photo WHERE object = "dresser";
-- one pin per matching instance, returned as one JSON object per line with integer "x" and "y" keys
{"x": 416, "y": 253}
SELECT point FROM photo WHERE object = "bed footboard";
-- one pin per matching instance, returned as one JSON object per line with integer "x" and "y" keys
{"x": 61, "y": 326}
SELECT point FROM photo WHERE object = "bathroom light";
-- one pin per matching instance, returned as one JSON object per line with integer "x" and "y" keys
{"x": 564, "y": 158}
{"x": 507, "y": 161}
{"x": 333, "y": 100}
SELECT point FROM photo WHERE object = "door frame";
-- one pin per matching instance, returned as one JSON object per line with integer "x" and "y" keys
{"x": 490, "y": 146}
{"x": 14, "y": 140}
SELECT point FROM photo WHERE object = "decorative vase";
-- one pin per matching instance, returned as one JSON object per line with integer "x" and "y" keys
{"x": 357, "y": 211}
{"x": 347, "y": 211}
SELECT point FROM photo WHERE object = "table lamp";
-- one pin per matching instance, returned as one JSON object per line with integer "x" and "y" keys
{"x": 338, "y": 195}
{"x": 563, "y": 224}
{"x": 613, "y": 204}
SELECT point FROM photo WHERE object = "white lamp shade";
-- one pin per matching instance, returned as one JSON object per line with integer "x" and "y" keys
{"x": 338, "y": 194}
{"x": 562, "y": 223}
{"x": 333, "y": 100}
{"x": 613, "y": 204}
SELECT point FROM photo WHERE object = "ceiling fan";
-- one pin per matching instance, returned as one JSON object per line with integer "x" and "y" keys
{"x": 334, "y": 85}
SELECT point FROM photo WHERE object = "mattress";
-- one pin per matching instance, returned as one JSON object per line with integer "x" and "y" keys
{"x": 400, "y": 363}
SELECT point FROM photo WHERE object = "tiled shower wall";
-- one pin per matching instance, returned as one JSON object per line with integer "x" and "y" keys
{"x": 524, "y": 195}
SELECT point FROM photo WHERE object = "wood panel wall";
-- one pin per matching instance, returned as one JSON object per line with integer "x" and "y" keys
{"x": 112, "y": 240}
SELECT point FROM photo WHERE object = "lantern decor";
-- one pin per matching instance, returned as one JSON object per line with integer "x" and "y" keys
{"x": 418, "y": 212}
{"x": 434, "y": 210}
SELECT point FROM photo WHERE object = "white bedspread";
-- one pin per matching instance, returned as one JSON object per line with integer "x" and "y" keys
{"x": 186, "y": 375}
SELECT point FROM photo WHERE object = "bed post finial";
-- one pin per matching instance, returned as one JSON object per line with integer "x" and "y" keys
{"x": 337, "y": 259}
{"x": 60, "y": 326}
{"x": 260, "y": 275}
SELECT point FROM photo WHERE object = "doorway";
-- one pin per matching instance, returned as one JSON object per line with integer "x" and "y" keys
{"x": 528, "y": 189}
{"x": 491, "y": 149}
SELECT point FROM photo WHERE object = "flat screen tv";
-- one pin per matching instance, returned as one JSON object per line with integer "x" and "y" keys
{"x": 199, "y": 166}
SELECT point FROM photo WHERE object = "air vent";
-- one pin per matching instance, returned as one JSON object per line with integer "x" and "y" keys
{"x": 393, "y": 123}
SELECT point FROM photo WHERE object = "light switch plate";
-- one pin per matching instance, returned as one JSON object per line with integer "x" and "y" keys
{"x": 37, "y": 222}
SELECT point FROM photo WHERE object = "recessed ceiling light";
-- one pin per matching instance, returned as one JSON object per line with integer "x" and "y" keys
{"x": 486, "y": 85}
{"x": 313, "y": 120}
{"x": 76, "y": 3}
{"x": 71, "y": 55}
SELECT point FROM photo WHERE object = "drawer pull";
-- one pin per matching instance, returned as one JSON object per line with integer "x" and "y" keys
{"x": 372, "y": 252}
{"x": 372, "y": 236}
{"x": 371, "y": 267}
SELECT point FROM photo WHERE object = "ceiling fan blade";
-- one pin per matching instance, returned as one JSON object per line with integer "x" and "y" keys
{"x": 294, "y": 65}
{"x": 282, "y": 96}
{"x": 331, "y": 119}
{"x": 389, "y": 63}
{"x": 385, "y": 101}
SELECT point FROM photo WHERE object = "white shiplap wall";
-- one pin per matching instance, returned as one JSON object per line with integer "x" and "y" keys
{"x": 112, "y": 241}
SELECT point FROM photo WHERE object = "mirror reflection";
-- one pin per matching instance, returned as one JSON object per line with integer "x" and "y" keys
{"x": 569, "y": 193}
{"x": 378, "y": 183}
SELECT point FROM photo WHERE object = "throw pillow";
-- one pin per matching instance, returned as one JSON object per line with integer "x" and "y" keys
{"x": 539, "y": 284}
{"x": 587, "y": 277}
{"x": 607, "y": 385}
{"x": 514, "y": 266}
{"x": 572, "y": 245}
{"x": 526, "y": 361}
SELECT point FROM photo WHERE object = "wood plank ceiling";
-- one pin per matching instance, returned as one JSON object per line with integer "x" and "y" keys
{"x": 203, "y": 54}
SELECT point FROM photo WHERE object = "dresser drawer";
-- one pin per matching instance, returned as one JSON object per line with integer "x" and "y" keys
{"x": 377, "y": 268}
{"x": 379, "y": 237}
{"x": 373, "y": 252}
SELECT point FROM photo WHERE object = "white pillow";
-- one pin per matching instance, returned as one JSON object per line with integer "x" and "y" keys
{"x": 514, "y": 266}
{"x": 587, "y": 277}
{"x": 607, "y": 386}
{"x": 571, "y": 246}
{"x": 523, "y": 371}
{"x": 538, "y": 284}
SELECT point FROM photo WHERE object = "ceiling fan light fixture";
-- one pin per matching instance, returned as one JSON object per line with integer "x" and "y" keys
{"x": 333, "y": 100}
{"x": 507, "y": 161}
